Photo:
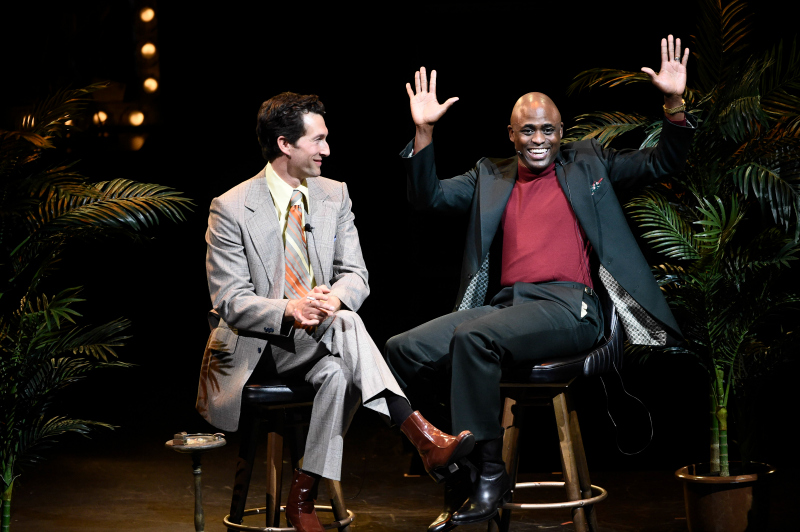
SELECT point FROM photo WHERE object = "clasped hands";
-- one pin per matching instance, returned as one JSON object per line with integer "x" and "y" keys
{"x": 310, "y": 311}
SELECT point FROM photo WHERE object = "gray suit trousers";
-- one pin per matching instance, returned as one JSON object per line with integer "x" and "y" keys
{"x": 346, "y": 369}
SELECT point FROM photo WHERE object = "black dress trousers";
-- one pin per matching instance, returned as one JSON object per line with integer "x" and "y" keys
{"x": 522, "y": 324}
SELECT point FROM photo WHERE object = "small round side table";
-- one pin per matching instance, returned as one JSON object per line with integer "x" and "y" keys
{"x": 196, "y": 444}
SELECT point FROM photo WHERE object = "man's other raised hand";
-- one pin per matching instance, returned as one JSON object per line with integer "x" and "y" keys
{"x": 671, "y": 78}
{"x": 425, "y": 108}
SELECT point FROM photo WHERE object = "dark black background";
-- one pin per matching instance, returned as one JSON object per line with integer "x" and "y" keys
{"x": 219, "y": 63}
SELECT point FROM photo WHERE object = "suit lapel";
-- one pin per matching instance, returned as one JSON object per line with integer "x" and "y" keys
{"x": 322, "y": 219}
{"x": 264, "y": 231}
{"x": 494, "y": 193}
{"x": 578, "y": 192}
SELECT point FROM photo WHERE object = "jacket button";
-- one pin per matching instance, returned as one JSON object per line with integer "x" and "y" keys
{"x": 266, "y": 330}
{"x": 259, "y": 349}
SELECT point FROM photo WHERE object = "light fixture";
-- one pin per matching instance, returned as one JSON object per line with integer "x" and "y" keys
{"x": 100, "y": 118}
{"x": 148, "y": 50}
{"x": 136, "y": 118}
{"x": 137, "y": 141}
{"x": 147, "y": 14}
{"x": 150, "y": 85}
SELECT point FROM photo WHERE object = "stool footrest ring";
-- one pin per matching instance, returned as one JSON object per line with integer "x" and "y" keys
{"x": 256, "y": 511}
{"x": 601, "y": 494}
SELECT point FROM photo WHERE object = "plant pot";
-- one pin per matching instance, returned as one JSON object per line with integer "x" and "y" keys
{"x": 736, "y": 503}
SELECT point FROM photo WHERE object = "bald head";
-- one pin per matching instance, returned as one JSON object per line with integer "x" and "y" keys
{"x": 536, "y": 130}
{"x": 533, "y": 100}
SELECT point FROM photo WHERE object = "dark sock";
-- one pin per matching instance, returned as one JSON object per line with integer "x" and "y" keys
{"x": 399, "y": 408}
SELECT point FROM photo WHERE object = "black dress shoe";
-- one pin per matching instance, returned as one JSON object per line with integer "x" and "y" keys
{"x": 456, "y": 491}
{"x": 491, "y": 489}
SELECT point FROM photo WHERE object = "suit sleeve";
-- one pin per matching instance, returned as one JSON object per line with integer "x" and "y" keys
{"x": 427, "y": 192}
{"x": 629, "y": 168}
{"x": 350, "y": 281}
{"x": 229, "y": 283}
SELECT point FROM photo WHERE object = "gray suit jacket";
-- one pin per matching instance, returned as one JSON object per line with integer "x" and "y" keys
{"x": 245, "y": 271}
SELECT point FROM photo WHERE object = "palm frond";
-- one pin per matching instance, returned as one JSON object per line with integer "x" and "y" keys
{"x": 605, "y": 127}
{"x": 653, "y": 135}
{"x": 719, "y": 221}
{"x": 43, "y": 432}
{"x": 671, "y": 235}
{"x": 781, "y": 80}
{"x": 774, "y": 194}
{"x": 50, "y": 312}
{"x": 120, "y": 204}
{"x": 720, "y": 35}
{"x": 605, "y": 77}
{"x": 98, "y": 342}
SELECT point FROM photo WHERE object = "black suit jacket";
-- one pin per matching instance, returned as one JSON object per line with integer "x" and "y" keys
{"x": 588, "y": 174}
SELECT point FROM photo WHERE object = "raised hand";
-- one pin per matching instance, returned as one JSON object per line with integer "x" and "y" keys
{"x": 425, "y": 108}
{"x": 671, "y": 78}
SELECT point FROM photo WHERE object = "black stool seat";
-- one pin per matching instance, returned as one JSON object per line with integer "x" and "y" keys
{"x": 273, "y": 390}
{"x": 595, "y": 361}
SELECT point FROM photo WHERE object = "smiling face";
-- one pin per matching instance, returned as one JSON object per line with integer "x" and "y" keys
{"x": 536, "y": 131}
{"x": 305, "y": 155}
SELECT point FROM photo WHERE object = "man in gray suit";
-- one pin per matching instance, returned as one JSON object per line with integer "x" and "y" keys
{"x": 286, "y": 277}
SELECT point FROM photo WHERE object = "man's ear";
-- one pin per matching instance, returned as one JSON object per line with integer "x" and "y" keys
{"x": 510, "y": 133}
{"x": 285, "y": 146}
{"x": 561, "y": 130}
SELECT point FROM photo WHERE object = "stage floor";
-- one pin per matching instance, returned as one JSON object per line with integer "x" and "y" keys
{"x": 124, "y": 481}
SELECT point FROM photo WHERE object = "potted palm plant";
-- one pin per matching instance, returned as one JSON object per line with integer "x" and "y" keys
{"x": 726, "y": 229}
{"x": 45, "y": 206}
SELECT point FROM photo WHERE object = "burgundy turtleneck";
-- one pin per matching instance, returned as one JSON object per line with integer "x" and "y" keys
{"x": 542, "y": 239}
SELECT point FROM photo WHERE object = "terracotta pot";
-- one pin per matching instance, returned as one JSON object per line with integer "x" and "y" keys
{"x": 736, "y": 503}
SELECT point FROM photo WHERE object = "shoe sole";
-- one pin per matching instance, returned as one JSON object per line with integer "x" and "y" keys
{"x": 465, "y": 446}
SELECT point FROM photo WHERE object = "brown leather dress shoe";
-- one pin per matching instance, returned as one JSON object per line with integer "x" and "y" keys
{"x": 300, "y": 511}
{"x": 439, "y": 451}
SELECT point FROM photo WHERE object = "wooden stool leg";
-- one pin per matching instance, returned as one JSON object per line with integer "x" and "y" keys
{"x": 510, "y": 452}
{"x": 337, "y": 501}
{"x": 274, "y": 470}
{"x": 568, "y": 462}
{"x": 244, "y": 467}
{"x": 583, "y": 467}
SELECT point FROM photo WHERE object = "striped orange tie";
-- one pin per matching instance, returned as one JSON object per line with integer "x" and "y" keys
{"x": 298, "y": 280}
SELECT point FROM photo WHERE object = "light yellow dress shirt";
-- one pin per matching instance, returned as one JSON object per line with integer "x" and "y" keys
{"x": 281, "y": 196}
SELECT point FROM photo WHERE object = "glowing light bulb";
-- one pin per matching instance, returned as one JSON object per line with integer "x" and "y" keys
{"x": 137, "y": 142}
{"x": 136, "y": 118}
{"x": 147, "y": 14}
{"x": 150, "y": 85}
{"x": 100, "y": 118}
{"x": 148, "y": 50}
